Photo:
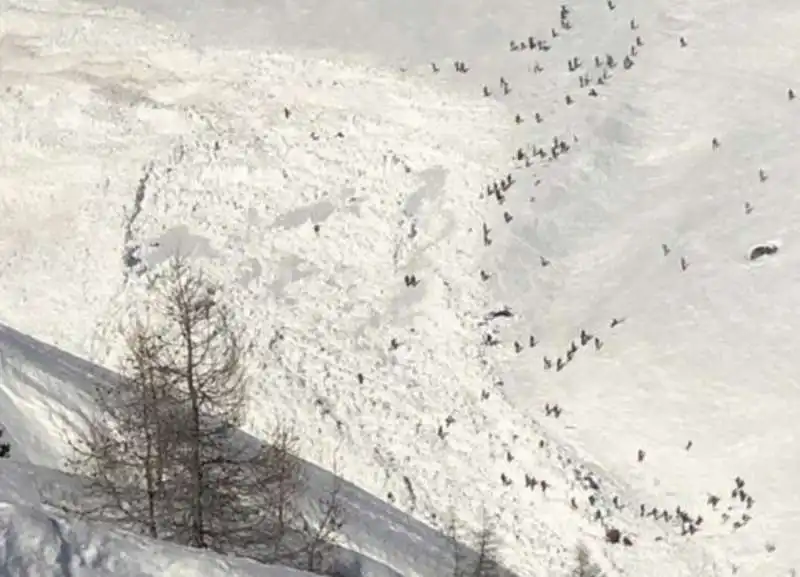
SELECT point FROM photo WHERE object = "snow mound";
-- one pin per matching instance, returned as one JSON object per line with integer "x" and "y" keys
{"x": 34, "y": 543}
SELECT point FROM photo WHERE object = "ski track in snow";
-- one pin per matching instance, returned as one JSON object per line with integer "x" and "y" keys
{"x": 312, "y": 219}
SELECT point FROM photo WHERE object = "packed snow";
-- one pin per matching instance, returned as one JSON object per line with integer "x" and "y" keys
{"x": 604, "y": 341}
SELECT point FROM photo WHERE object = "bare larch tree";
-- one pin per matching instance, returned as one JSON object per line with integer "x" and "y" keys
{"x": 125, "y": 455}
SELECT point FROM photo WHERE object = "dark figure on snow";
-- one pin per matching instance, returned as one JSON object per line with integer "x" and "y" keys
{"x": 411, "y": 280}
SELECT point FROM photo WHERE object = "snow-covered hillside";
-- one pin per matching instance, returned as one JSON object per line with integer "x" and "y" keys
{"x": 46, "y": 393}
{"x": 36, "y": 543}
{"x": 348, "y": 183}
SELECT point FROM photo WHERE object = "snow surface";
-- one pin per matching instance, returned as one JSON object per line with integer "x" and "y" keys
{"x": 37, "y": 543}
{"x": 130, "y": 132}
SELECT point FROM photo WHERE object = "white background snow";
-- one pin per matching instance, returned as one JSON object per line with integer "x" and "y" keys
{"x": 130, "y": 130}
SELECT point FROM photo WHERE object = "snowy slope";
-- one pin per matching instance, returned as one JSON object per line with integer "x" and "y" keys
{"x": 38, "y": 543}
{"x": 306, "y": 153}
{"x": 378, "y": 539}
{"x": 705, "y": 354}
